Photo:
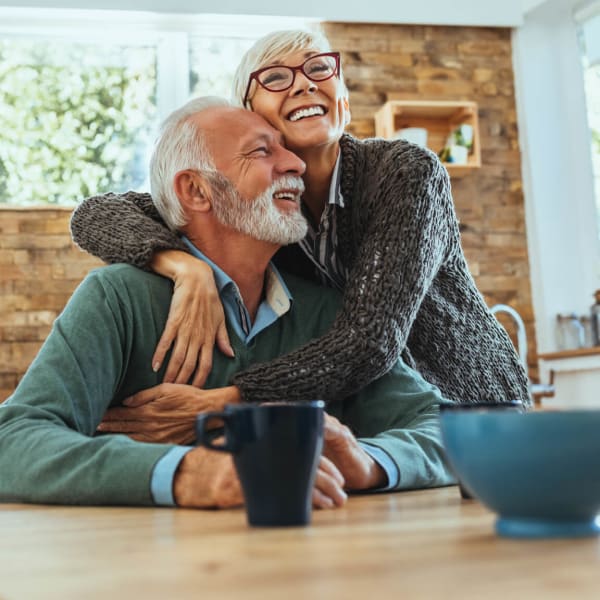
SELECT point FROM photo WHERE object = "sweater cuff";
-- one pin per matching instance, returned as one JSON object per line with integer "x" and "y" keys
{"x": 163, "y": 474}
{"x": 383, "y": 459}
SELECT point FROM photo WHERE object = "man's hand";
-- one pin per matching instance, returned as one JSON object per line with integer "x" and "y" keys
{"x": 207, "y": 479}
{"x": 166, "y": 413}
{"x": 358, "y": 469}
{"x": 329, "y": 486}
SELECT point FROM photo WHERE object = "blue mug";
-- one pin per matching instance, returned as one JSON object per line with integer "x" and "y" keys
{"x": 512, "y": 405}
{"x": 276, "y": 450}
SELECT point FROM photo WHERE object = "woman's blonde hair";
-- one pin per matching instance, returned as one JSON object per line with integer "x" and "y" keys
{"x": 271, "y": 48}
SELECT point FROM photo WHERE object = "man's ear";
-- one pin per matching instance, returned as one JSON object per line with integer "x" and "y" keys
{"x": 193, "y": 191}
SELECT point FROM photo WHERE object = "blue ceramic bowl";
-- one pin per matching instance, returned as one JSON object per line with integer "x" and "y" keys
{"x": 539, "y": 471}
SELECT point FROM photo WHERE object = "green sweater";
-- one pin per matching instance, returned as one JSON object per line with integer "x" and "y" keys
{"x": 99, "y": 352}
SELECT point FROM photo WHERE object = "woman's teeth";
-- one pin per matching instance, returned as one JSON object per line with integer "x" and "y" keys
{"x": 306, "y": 112}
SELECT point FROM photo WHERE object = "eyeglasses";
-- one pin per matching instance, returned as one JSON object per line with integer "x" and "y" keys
{"x": 280, "y": 78}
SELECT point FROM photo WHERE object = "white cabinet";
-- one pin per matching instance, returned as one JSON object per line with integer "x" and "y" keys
{"x": 575, "y": 375}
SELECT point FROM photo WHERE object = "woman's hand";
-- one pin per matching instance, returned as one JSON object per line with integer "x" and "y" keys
{"x": 196, "y": 320}
{"x": 166, "y": 413}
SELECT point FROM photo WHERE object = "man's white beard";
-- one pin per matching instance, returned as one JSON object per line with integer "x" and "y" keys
{"x": 259, "y": 218}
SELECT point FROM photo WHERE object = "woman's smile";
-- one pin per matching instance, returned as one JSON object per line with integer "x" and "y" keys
{"x": 305, "y": 112}
{"x": 310, "y": 114}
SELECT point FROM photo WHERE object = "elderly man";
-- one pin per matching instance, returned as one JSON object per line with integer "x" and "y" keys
{"x": 222, "y": 177}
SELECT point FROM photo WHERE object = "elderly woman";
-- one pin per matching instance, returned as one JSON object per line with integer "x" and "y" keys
{"x": 382, "y": 229}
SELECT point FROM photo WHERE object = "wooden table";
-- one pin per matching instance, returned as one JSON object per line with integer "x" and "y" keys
{"x": 426, "y": 544}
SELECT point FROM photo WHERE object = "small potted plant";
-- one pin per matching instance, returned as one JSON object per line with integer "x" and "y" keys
{"x": 458, "y": 145}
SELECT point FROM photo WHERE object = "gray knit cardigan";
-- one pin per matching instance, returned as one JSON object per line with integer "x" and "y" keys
{"x": 409, "y": 290}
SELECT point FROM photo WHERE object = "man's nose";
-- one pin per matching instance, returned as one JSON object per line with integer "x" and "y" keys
{"x": 289, "y": 163}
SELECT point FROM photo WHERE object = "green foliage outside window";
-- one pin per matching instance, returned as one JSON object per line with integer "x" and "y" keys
{"x": 213, "y": 62}
{"x": 75, "y": 119}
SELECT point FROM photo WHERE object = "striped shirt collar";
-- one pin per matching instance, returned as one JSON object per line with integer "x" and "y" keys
{"x": 335, "y": 187}
{"x": 320, "y": 244}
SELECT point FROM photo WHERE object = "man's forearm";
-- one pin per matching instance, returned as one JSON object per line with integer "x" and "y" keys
{"x": 47, "y": 449}
{"x": 46, "y": 462}
{"x": 417, "y": 452}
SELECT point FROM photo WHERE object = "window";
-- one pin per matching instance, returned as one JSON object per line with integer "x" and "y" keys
{"x": 213, "y": 61}
{"x": 82, "y": 93}
{"x": 590, "y": 45}
{"x": 75, "y": 118}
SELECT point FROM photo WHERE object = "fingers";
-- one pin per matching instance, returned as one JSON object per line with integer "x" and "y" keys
{"x": 109, "y": 426}
{"x": 181, "y": 434}
{"x": 179, "y": 356}
{"x": 329, "y": 467}
{"x": 118, "y": 414}
{"x": 320, "y": 500}
{"x": 196, "y": 322}
{"x": 328, "y": 494}
{"x": 152, "y": 432}
{"x": 328, "y": 491}
{"x": 165, "y": 342}
{"x": 144, "y": 396}
{"x": 332, "y": 428}
{"x": 222, "y": 340}
{"x": 204, "y": 365}
{"x": 338, "y": 439}
{"x": 189, "y": 363}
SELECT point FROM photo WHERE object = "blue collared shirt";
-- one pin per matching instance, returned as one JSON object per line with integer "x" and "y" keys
{"x": 277, "y": 301}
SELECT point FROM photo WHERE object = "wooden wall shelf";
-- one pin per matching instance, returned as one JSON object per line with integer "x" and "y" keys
{"x": 570, "y": 353}
{"x": 440, "y": 118}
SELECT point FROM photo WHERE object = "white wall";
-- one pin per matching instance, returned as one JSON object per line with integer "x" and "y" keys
{"x": 557, "y": 171}
{"x": 436, "y": 12}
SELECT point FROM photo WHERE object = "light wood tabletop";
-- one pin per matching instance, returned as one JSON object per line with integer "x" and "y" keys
{"x": 422, "y": 544}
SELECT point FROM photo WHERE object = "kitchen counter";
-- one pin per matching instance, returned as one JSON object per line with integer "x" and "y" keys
{"x": 575, "y": 375}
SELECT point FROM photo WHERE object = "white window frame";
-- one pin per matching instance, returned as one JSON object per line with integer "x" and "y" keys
{"x": 168, "y": 32}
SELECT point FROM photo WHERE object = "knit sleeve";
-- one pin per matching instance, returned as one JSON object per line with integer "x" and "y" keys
{"x": 122, "y": 228}
{"x": 404, "y": 245}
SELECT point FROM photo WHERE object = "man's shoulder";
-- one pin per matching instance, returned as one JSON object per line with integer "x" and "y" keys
{"x": 123, "y": 278}
{"x": 125, "y": 274}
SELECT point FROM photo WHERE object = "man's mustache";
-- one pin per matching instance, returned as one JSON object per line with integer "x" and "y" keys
{"x": 287, "y": 183}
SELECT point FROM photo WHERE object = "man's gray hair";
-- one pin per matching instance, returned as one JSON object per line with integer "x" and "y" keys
{"x": 270, "y": 49}
{"x": 180, "y": 146}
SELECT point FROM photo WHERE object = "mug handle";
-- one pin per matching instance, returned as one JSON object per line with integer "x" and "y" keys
{"x": 204, "y": 437}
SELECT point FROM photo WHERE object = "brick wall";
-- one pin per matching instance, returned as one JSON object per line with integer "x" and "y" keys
{"x": 39, "y": 267}
{"x": 402, "y": 62}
